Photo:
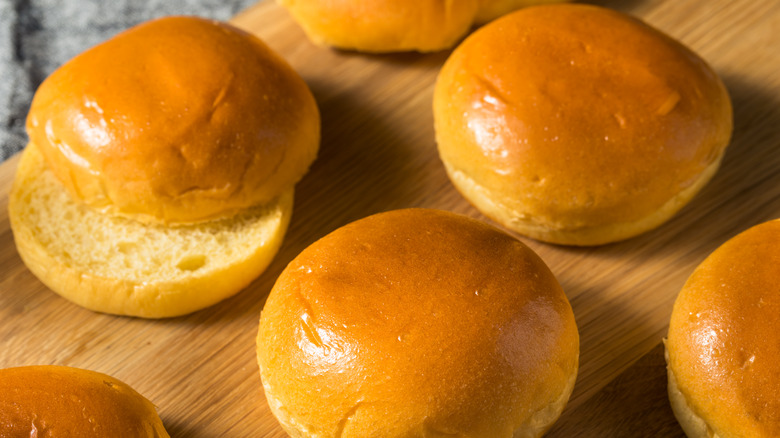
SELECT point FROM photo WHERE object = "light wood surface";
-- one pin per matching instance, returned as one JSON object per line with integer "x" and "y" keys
{"x": 378, "y": 153}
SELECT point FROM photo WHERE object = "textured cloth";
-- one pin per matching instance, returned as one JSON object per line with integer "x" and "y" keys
{"x": 37, "y": 36}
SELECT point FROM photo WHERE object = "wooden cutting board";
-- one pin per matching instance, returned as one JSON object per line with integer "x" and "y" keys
{"x": 378, "y": 153}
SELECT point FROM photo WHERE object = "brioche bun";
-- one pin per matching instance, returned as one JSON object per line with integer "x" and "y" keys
{"x": 57, "y": 401}
{"x": 578, "y": 125}
{"x": 395, "y": 25}
{"x": 417, "y": 323}
{"x": 177, "y": 120}
{"x": 160, "y": 171}
{"x": 723, "y": 346}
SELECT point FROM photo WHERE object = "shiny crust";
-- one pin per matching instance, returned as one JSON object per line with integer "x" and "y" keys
{"x": 177, "y": 120}
{"x": 395, "y": 25}
{"x": 723, "y": 347}
{"x": 55, "y": 401}
{"x": 571, "y": 127}
{"x": 384, "y": 25}
{"x": 417, "y": 322}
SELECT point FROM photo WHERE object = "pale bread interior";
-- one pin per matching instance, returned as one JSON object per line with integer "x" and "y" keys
{"x": 117, "y": 265}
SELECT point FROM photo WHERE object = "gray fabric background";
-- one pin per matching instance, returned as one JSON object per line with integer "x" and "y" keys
{"x": 37, "y": 36}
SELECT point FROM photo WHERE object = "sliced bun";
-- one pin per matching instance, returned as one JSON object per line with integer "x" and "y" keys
{"x": 724, "y": 340}
{"x": 570, "y": 134}
{"x": 417, "y": 323}
{"x": 395, "y": 25}
{"x": 160, "y": 173}
{"x": 56, "y": 401}
{"x": 177, "y": 120}
{"x": 117, "y": 265}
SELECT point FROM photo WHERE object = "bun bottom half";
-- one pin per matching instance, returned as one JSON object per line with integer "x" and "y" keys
{"x": 116, "y": 265}
{"x": 512, "y": 214}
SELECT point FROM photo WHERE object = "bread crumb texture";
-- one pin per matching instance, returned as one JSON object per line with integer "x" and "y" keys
{"x": 151, "y": 270}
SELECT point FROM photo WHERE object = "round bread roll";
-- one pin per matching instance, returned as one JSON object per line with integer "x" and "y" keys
{"x": 160, "y": 172}
{"x": 177, "y": 120}
{"x": 417, "y": 323}
{"x": 578, "y": 125}
{"x": 57, "y": 401}
{"x": 395, "y": 25}
{"x": 724, "y": 341}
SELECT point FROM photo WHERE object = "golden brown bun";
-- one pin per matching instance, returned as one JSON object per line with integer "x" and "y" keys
{"x": 724, "y": 340}
{"x": 578, "y": 125}
{"x": 177, "y": 120}
{"x": 56, "y": 401}
{"x": 417, "y": 323}
{"x": 395, "y": 25}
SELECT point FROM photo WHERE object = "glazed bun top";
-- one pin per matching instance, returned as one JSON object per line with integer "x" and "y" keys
{"x": 396, "y": 25}
{"x": 724, "y": 336}
{"x": 177, "y": 120}
{"x": 384, "y": 25}
{"x": 579, "y": 115}
{"x": 417, "y": 320}
{"x": 57, "y": 401}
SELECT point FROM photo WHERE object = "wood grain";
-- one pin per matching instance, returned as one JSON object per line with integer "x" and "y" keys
{"x": 378, "y": 153}
{"x": 635, "y": 404}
